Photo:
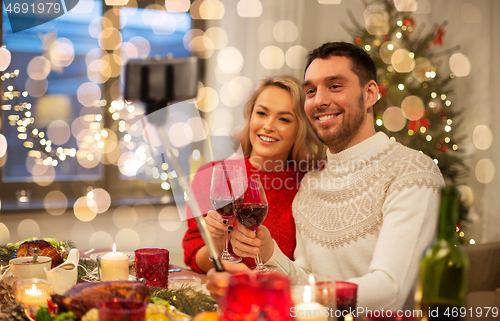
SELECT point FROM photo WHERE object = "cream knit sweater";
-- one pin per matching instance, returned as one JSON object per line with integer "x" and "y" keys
{"x": 367, "y": 218}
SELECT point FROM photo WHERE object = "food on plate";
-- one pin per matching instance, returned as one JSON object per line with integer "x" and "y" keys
{"x": 206, "y": 316}
{"x": 46, "y": 249}
{"x": 84, "y": 296}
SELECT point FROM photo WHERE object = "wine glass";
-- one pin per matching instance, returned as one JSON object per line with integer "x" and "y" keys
{"x": 252, "y": 211}
{"x": 224, "y": 192}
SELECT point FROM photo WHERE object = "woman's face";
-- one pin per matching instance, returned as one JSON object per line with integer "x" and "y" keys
{"x": 273, "y": 125}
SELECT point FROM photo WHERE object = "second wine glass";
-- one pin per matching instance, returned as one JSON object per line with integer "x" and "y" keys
{"x": 252, "y": 211}
{"x": 225, "y": 191}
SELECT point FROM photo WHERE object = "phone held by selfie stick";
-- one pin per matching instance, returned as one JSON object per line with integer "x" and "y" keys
{"x": 157, "y": 83}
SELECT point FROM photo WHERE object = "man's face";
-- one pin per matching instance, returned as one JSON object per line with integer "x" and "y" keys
{"x": 334, "y": 102}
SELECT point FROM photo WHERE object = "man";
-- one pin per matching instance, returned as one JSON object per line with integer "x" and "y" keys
{"x": 370, "y": 214}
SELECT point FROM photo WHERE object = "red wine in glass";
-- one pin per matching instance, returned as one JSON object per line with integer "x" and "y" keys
{"x": 252, "y": 211}
{"x": 226, "y": 188}
{"x": 251, "y": 215}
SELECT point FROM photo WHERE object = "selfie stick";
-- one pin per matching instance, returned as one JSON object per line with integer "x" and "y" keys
{"x": 154, "y": 84}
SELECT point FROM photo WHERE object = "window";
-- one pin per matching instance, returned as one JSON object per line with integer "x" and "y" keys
{"x": 62, "y": 115}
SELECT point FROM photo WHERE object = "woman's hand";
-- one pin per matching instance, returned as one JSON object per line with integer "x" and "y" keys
{"x": 218, "y": 282}
{"x": 216, "y": 227}
{"x": 247, "y": 243}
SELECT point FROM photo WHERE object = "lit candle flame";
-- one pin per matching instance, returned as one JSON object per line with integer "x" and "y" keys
{"x": 33, "y": 292}
{"x": 307, "y": 294}
{"x": 114, "y": 248}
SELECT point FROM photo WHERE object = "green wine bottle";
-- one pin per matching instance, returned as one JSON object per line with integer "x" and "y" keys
{"x": 444, "y": 268}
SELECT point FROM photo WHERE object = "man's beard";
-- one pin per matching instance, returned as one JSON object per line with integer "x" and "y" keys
{"x": 346, "y": 129}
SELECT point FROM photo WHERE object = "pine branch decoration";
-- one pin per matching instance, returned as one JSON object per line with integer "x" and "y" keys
{"x": 185, "y": 299}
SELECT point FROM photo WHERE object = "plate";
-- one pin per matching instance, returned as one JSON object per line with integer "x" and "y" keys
{"x": 131, "y": 256}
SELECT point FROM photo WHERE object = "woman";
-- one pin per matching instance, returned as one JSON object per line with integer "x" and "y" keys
{"x": 280, "y": 146}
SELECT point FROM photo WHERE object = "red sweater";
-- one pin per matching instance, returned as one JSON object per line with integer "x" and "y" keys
{"x": 280, "y": 187}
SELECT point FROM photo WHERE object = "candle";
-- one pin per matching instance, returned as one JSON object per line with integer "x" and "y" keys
{"x": 33, "y": 292}
{"x": 310, "y": 311}
{"x": 114, "y": 266}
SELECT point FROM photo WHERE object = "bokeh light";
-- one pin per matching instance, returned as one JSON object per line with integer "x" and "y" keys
{"x": 460, "y": 65}
{"x": 393, "y": 119}
{"x": 147, "y": 210}
{"x": 482, "y": 137}
{"x": 58, "y": 132}
{"x": 169, "y": 220}
{"x": 387, "y": 49}
{"x": 110, "y": 39}
{"x": 45, "y": 179}
{"x": 61, "y": 52}
{"x": 38, "y": 68}
{"x": 127, "y": 239}
{"x": 285, "y": 31}
{"x": 211, "y": 10}
{"x": 177, "y": 5}
{"x": 218, "y": 36}
{"x": 295, "y": 57}
{"x": 232, "y": 94}
{"x": 423, "y": 70}
{"x": 413, "y": 107}
{"x": 28, "y": 228}
{"x": 88, "y": 93}
{"x": 36, "y": 88}
{"x": 129, "y": 163}
{"x": 220, "y": 119}
{"x": 180, "y": 134}
{"x": 230, "y": 59}
{"x": 4, "y": 234}
{"x": 466, "y": 195}
{"x": 485, "y": 171}
{"x": 199, "y": 128}
{"x": 85, "y": 209}
{"x": 207, "y": 99}
{"x": 402, "y": 61}
{"x": 5, "y": 58}
{"x": 263, "y": 32}
{"x": 272, "y": 57}
{"x": 124, "y": 217}
{"x": 470, "y": 13}
{"x": 377, "y": 24}
{"x": 329, "y": 1}
{"x": 3, "y": 145}
{"x": 249, "y": 8}
{"x": 142, "y": 45}
{"x": 101, "y": 240}
{"x": 102, "y": 199}
{"x": 55, "y": 202}
{"x": 406, "y": 5}
{"x": 202, "y": 47}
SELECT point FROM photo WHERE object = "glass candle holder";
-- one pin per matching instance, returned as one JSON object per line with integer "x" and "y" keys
{"x": 257, "y": 297}
{"x": 314, "y": 296}
{"x": 346, "y": 299}
{"x": 33, "y": 292}
{"x": 152, "y": 265}
{"x": 177, "y": 282}
{"x": 122, "y": 310}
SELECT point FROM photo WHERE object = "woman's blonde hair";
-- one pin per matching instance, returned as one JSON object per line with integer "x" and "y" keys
{"x": 307, "y": 150}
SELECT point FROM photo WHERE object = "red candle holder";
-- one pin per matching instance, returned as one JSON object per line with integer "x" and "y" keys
{"x": 152, "y": 265}
{"x": 122, "y": 310}
{"x": 346, "y": 300}
{"x": 257, "y": 297}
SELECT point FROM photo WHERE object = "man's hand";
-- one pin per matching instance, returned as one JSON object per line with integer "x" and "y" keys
{"x": 218, "y": 282}
{"x": 247, "y": 243}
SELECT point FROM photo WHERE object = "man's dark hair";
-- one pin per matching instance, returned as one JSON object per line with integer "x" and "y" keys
{"x": 361, "y": 62}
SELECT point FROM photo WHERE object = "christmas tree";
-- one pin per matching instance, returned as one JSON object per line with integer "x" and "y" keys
{"x": 414, "y": 107}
